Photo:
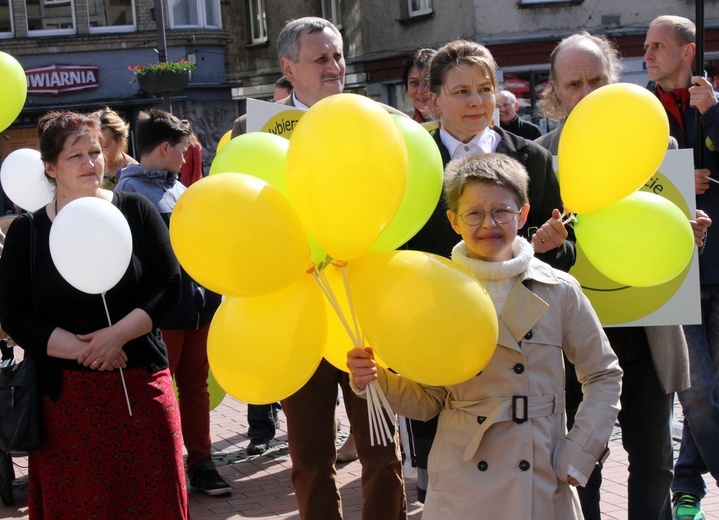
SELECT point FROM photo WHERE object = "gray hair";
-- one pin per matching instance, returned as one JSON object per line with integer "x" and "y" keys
{"x": 288, "y": 41}
{"x": 549, "y": 105}
{"x": 508, "y": 95}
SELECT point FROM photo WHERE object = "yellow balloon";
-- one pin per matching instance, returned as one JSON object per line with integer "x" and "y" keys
{"x": 339, "y": 341}
{"x": 13, "y": 85}
{"x": 288, "y": 325}
{"x": 428, "y": 318}
{"x": 346, "y": 172}
{"x": 237, "y": 235}
{"x": 612, "y": 142}
{"x": 223, "y": 141}
{"x": 643, "y": 240}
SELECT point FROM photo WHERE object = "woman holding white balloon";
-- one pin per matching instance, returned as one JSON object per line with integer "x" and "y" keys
{"x": 85, "y": 315}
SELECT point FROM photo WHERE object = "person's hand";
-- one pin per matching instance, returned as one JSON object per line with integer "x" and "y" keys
{"x": 699, "y": 227}
{"x": 363, "y": 369}
{"x": 550, "y": 235}
{"x": 701, "y": 180}
{"x": 572, "y": 481}
{"x": 701, "y": 94}
{"x": 103, "y": 350}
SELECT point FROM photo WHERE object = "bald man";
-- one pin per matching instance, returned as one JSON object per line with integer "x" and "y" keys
{"x": 508, "y": 105}
{"x": 669, "y": 50}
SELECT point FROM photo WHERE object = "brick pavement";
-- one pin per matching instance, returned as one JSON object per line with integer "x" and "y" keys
{"x": 262, "y": 487}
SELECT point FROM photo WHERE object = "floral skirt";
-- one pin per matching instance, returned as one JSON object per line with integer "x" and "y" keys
{"x": 99, "y": 462}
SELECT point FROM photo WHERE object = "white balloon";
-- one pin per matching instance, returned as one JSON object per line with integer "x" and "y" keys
{"x": 91, "y": 244}
{"x": 23, "y": 179}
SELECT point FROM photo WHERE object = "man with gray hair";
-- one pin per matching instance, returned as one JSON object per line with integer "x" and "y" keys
{"x": 509, "y": 120}
{"x": 312, "y": 58}
{"x": 579, "y": 64}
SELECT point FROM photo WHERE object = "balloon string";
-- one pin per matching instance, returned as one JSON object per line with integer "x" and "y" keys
{"x": 567, "y": 218}
{"x": 349, "y": 300}
{"x": 379, "y": 430}
{"x": 122, "y": 376}
{"x": 321, "y": 280}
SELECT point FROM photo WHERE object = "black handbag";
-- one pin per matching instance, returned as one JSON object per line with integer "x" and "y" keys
{"x": 20, "y": 414}
{"x": 20, "y": 408}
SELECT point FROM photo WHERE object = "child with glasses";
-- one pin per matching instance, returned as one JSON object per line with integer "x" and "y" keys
{"x": 502, "y": 448}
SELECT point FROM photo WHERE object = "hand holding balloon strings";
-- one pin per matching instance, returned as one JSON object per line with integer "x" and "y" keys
{"x": 376, "y": 400}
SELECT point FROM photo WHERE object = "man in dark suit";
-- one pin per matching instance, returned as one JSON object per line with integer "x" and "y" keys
{"x": 312, "y": 59}
{"x": 508, "y": 105}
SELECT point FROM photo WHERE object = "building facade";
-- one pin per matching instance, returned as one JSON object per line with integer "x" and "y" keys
{"x": 76, "y": 53}
{"x": 520, "y": 34}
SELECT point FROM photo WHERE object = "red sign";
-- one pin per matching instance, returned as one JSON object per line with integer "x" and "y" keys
{"x": 61, "y": 79}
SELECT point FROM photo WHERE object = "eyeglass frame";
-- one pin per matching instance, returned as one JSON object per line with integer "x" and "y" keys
{"x": 483, "y": 214}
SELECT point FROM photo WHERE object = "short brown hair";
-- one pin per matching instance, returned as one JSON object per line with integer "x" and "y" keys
{"x": 684, "y": 28}
{"x": 458, "y": 53}
{"x": 54, "y": 128}
{"x": 496, "y": 169}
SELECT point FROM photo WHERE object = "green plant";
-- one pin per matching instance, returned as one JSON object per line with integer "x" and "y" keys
{"x": 166, "y": 66}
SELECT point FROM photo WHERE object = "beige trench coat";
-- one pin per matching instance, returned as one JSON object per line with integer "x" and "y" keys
{"x": 484, "y": 464}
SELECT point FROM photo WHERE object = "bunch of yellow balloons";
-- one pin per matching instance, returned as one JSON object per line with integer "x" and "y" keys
{"x": 613, "y": 141}
{"x": 351, "y": 184}
{"x": 273, "y": 212}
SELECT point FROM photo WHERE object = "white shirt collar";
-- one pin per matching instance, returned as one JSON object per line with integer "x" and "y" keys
{"x": 297, "y": 102}
{"x": 484, "y": 142}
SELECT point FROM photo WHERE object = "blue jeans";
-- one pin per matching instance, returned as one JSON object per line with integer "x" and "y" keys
{"x": 698, "y": 453}
{"x": 261, "y": 418}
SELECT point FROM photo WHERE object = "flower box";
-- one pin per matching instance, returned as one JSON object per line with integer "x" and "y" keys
{"x": 165, "y": 81}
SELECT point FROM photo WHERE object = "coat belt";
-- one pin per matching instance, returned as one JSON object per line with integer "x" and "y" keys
{"x": 501, "y": 409}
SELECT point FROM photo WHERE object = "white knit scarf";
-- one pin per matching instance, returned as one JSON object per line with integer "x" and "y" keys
{"x": 497, "y": 277}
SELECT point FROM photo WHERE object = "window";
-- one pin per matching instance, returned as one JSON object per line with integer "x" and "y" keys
{"x": 111, "y": 15}
{"x": 534, "y": 2}
{"x": 258, "y": 21}
{"x": 332, "y": 11}
{"x": 50, "y": 17}
{"x": 5, "y": 18}
{"x": 195, "y": 13}
{"x": 419, "y": 7}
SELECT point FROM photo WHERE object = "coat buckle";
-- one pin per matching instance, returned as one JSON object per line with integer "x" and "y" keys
{"x": 519, "y": 408}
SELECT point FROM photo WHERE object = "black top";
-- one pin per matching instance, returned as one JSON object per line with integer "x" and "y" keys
{"x": 438, "y": 237}
{"x": 522, "y": 128}
{"x": 151, "y": 283}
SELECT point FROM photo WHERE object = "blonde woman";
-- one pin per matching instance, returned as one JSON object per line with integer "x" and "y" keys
{"x": 116, "y": 132}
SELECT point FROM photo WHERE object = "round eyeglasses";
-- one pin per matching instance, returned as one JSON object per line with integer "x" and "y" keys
{"x": 474, "y": 217}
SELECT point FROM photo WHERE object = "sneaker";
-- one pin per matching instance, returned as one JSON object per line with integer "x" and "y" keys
{"x": 687, "y": 507}
{"x": 257, "y": 447}
{"x": 208, "y": 480}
